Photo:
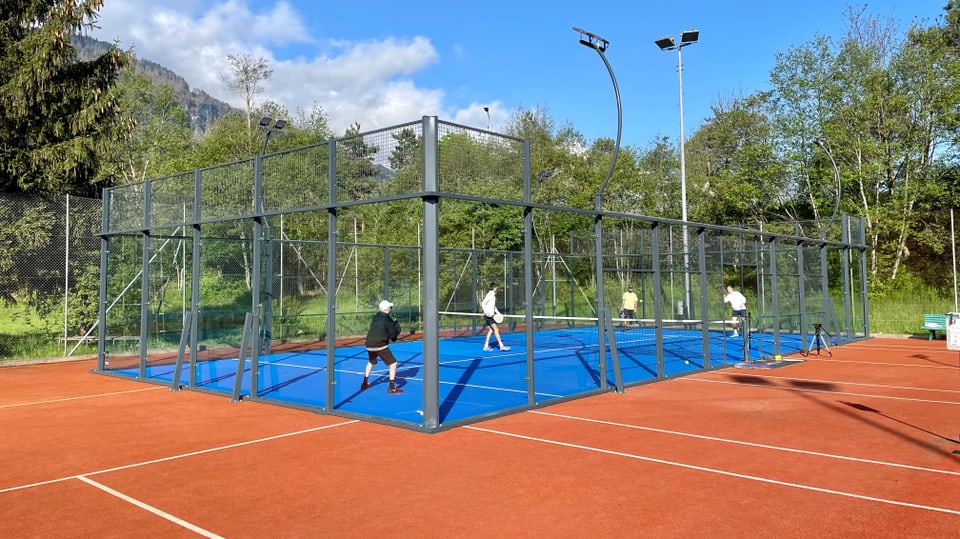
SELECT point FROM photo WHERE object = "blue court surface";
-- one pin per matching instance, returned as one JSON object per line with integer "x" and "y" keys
{"x": 472, "y": 382}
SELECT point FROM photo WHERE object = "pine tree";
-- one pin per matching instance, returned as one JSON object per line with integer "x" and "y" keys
{"x": 58, "y": 113}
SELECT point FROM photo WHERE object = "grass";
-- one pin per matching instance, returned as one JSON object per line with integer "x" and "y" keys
{"x": 904, "y": 315}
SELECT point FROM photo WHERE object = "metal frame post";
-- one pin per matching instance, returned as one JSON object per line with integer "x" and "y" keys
{"x": 431, "y": 263}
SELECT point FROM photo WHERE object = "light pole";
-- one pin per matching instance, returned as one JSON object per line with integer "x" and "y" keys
{"x": 667, "y": 43}
{"x": 487, "y": 110}
{"x": 269, "y": 127}
{"x": 824, "y": 277}
{"x": 600, "y": 45}
{"x": 265, "y": 123}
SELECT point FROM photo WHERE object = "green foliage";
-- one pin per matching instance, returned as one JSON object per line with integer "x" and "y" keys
{"x": 160, "y": 142}
{"x": 60, "y": 115}
{"x": 734, "y": 174}
{"x": 227, "y": 141}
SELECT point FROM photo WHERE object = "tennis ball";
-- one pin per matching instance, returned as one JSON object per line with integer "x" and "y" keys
{"x": 777, "y": 357}
{"x": 687, "y": 361}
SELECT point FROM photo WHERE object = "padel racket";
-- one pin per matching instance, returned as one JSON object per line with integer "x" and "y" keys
{"x": 498, "y": 318}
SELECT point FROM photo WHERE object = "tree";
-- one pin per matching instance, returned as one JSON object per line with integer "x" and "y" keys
{"x": 244, "y": 78}
{"x": 160, "y": 142}
{"x": 314, "y": 124}
{"x": 734, "y": 174}
{"x": 406, "y": 152}
{"x": 59, "y": 114}
{"x": 658, "y": 179}
{"x": 356, "y": 163}
{"x": 881, "y": 104}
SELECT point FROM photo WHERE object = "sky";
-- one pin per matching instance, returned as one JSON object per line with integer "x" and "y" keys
{"x": 384, "y": 63}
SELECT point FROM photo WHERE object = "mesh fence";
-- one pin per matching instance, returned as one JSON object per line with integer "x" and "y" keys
{"x": 49, "y": 267}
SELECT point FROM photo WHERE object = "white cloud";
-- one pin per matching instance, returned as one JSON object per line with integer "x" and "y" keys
{"x": 369, "y": 81}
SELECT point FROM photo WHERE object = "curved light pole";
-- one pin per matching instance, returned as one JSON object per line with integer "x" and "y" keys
{"x": 667, "y": 43}
{"x": 262, "y": 228}
{"x": 600, "y": 45}
{"x": 824, "y": 277}
{"x": 836, "y": 175}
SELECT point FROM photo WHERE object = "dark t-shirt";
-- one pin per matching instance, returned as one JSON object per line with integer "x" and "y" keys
{"x": 383, "y": 330}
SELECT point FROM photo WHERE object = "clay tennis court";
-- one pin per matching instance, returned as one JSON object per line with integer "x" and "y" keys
{"x": 859, "y": 444}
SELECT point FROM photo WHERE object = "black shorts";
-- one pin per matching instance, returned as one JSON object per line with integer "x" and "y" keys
{"x": 629, "y": 313}
{"x": 386, "y": 355}
{"x": 742, "y": 313}
{"x": 489, "y": 321}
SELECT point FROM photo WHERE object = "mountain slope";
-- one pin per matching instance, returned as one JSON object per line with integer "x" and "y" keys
{"x": 202, "y": 108}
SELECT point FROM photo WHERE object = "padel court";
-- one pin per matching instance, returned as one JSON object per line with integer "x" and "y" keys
{"x": 257, "y": 280}
{"x": 473, "y": 382}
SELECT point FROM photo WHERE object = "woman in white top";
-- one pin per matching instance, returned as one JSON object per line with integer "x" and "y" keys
{"x": 489, "y": 306}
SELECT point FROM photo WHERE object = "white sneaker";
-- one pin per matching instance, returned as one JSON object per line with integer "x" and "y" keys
{"x": 504, "y": 348}
{"x": 487, "y": 348}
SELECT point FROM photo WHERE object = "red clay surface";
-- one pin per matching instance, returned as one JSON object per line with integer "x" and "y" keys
{"x": 857, "y": 445}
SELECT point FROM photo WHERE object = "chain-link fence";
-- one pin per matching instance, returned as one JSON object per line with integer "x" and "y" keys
{"x": 49, "y": 275}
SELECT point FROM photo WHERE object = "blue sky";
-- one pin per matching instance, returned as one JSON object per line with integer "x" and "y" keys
{"x": 383, "y": 63}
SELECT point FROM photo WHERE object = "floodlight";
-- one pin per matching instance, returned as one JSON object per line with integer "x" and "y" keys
{"x": 666, "y": 43}
{"x": 268, "y": 130}
{"x": 689, "y": 36}
{"x": 592, "y": 40}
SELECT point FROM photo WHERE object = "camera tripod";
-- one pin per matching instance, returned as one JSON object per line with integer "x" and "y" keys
{"x": 818, "y": 340}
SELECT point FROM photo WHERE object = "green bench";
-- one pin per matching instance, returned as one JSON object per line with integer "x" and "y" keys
{"x": 934, "y": 323}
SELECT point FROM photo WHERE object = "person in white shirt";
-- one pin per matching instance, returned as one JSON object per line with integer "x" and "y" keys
{"x": 738, "y": 303}
{"x": 489, "y": 306}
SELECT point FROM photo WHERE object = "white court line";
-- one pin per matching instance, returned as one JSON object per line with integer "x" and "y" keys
{"x": 884, "y": 386}
{"x": 952, "y": 368}
{"x": 384, "y": 372}
{"x": 175, "y": 457}
{"x": 810, "y": 390}
{"x": 66, "y": 399}
{"x": 720, "y": 472}
{"x": 151, "y": 509}
{"x": 749, "y": 444}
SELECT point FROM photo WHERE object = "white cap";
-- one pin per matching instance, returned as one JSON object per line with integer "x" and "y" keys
{"x": 384, "y": 305}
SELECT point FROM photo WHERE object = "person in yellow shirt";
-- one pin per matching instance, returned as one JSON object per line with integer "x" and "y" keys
{"x": 628, "y": 305}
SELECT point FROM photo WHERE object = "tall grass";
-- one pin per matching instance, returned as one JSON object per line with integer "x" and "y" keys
{"x": 898, "y": 307}
{"x": 25, "y": 334}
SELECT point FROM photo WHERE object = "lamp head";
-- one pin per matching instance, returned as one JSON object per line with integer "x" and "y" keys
{"x": 280, "y": 124}
{"x": 265, "y": 122}
{"x": 666, "y": 43}
{"x": 689, "y": 36}
{"x": 592, "y": 40}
